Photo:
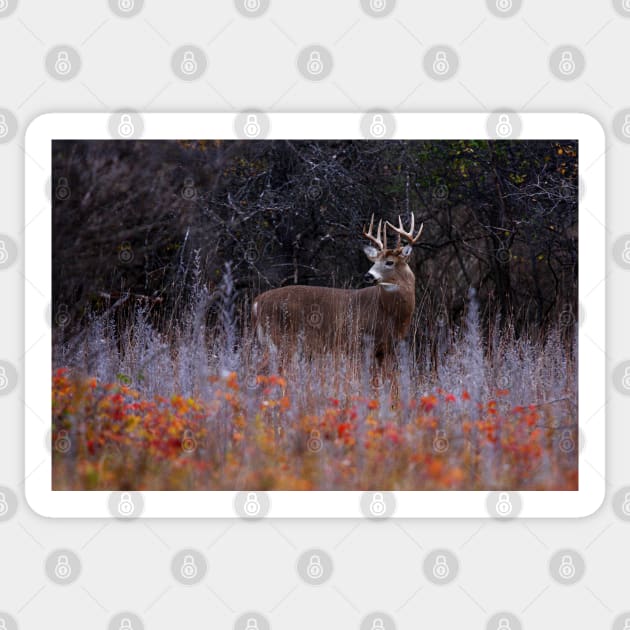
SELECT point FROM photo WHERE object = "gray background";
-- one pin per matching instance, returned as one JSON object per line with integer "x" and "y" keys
{"x": 378, "y": 62}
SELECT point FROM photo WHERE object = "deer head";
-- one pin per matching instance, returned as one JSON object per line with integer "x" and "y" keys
{"x": 390, "y": 265}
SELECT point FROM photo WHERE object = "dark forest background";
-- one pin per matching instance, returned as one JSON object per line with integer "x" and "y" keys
{"x": 143, "y": 222}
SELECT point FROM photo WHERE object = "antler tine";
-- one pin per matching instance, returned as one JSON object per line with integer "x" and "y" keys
{"x": 400, "y": 230}
{"x": 375, "y": 239}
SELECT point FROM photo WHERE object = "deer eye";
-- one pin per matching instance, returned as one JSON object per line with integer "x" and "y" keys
{"x": 389, "y": 263}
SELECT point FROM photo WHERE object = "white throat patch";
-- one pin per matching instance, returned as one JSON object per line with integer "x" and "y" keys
{"x": 389, "y": 286}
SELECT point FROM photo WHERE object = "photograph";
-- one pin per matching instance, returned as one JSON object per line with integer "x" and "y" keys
{"x": 308, "y": 315}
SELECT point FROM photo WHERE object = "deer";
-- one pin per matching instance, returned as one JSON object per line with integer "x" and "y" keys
{"x": 325, "y": 320}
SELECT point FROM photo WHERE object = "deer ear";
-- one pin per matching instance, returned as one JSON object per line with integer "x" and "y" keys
{"x": 406, "y": 251}
{"x": 371, "y": 252}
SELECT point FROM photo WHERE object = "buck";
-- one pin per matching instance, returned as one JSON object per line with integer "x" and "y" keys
{"x": 323, "y": 320}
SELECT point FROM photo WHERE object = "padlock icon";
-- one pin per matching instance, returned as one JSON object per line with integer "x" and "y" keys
{"x": 62, "y": 63}
{"x": 62, "y": 443}
{"x": 4, "y": 254}
{"x": 3, "y": 623}
{"x": 625, "y": 506}
{"x": 625, "y": 129}
{"x": 4, "y": 128}
{"x": 504, "y": 5}
{"x": 251, "y": 256}
{"x": 4, "y": 379}
{"x": 125, "y": 624}
{"x": 315, "y": 443}
{"x": 126, "y": 5}
{"x": 504, "y": 126}
{"x": 626, "y": 5}
{"x": 504, "y": 505}
{"x": 189, "y": 568}
{"x": 62, "y": 191}
{"x": 252, "y": 5}
{"x": 567, "y": 443}
{"x": 125, "y": 255}
{"x": 441, "y": 569}
{"x": 252, "y": 504}
{"x": 440, "y": 193}
{"x": 378, "y": 128}
{"x": 315, "y": 65}
{"x": 504, "y": 624}
{"x": 440, "y": 63}
{"x": 252, "y": 624}
{"x": 125, "y": 126}
{"x": 4, "y": 5}
{"x": 4, "y": 506}
{"x": 125, "y": 505}
{"x": 377, "y": 5}
{"x": 440, "y": 441}
{"x": 314, "y": 569}
{"x": 378, "y": 624}
{"x": 567, "y": 63}
{"x": 625, "y": 254}
{"x": 63, "y": 570}
{"x": 626, "y": 378}
{"x": 252, "y": 126}
{"x": 626, "y": 625}
{"x": 189, "y": 63}
{"x": 377, "y": 504}
{"x": 188, "y": 190}
{"x": 189, "y": 444}
{"x": 315, "y": 317}
{"x": 567, "y": 568}
{"x": 63, "y": 316}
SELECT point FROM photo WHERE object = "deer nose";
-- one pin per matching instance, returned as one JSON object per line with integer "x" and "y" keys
{"x": 368, "y": 277}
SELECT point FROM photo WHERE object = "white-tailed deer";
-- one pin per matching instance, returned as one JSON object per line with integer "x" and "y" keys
{"x": 323, "y": 320}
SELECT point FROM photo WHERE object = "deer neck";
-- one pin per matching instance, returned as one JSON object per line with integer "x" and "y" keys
{"x": 400, "y": 294}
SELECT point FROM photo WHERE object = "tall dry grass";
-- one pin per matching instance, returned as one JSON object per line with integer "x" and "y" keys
{"x": 474, "y": 406}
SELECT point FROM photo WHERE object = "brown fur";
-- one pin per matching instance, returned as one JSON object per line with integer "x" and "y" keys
{"x": 325, "y": 320}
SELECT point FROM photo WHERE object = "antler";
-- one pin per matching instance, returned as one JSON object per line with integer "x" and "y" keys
{"x": 381, "y": 244}
{"x": 408, "y": 235}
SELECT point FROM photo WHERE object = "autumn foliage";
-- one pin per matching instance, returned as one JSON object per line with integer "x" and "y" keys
{"x": 252, "y": 434}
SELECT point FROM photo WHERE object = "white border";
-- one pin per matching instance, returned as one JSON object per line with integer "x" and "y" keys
{"x": 206, "y": 504}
